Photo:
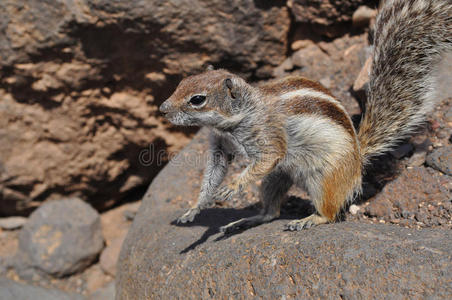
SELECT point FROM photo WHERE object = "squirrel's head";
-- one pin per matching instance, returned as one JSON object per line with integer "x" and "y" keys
{"x": 213, "y": 98}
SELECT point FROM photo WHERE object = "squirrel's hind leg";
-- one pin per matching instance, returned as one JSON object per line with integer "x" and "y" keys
{"x": 330, "y": 192}
{"x": 273, "y": 190}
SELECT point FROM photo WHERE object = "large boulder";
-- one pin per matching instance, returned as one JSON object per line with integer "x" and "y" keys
{"x": 80, "y": 82}
{"x": 353, "y": 260}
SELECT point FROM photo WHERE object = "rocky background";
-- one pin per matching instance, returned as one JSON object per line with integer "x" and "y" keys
{"x": 80, "y": 134}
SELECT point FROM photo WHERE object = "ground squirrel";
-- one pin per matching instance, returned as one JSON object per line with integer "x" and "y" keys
{"x": 294, "y": 131}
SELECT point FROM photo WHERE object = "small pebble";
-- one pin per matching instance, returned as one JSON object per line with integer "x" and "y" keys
{"x": 437, "y": 145}
{"x": 363, "y": 16}
{"x": 12, "y": 223}
{"x": 326, "y": 82}
{"x": 129, "y": 215}
{"x": 442, "y": 134}
{"x": 300, "y": 44}
{"x": 354, "y": 209}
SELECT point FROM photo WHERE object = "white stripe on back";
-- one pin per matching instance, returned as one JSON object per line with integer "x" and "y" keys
{"x": 306, "y": 92}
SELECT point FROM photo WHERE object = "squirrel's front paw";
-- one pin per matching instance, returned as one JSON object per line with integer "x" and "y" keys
{"x": 189, "y": 216}
{"x": 225, "y": 193}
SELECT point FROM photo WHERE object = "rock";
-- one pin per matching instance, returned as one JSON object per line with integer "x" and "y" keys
{"x": 417, "y": 159}
{"x": 95, "y": 279}
{"x": 443, "y": 77}
{"x": 421, "y": 144}
{"x": 109, "y": 257}
{"x": 363, "y": 15}
{"x": 12, "y": 223}
{"x": 402, "y": 151}
{"x": 129, "y": 215}
{"x": 442, "y": 134}
{"x": 305, "y": 56}
{"x": 448, "y": 115}
{"x": 325, "y": 12}
{"x": 404, "y": 194}
{"x": 339, "y": 62}
{"x": 326, "y": 82}
{"x": 13, "y": 290}
{"x": 281, "y": 70}
{"x": 354, "y": 209}
{"x": 300, "y": 44}
{"x": 441, "y": 159}
{"x": 330, "y": 261}
{"x": 61, "y": 237}
{"x": 105, "y": 293}
{"x": 114, "y": 223}
{"x": 361, "y": 84}
{"x": 81, "y": 82}
{"x": 381, "y": 208}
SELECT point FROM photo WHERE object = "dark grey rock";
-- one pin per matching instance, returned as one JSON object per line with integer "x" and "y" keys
{"x": 61, "y": 237}
{"x": 351, "y": 260}
{"x": 441, "y": 159}
{"x": 10, "y": 290}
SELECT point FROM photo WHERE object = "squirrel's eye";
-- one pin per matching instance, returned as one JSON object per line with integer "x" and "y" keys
{"x": 197, "y": 100}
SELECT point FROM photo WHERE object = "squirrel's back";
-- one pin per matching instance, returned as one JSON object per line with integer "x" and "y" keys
{"x": 410, "y": 37}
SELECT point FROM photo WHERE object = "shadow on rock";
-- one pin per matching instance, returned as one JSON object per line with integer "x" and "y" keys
{"x": 214, "y": 218}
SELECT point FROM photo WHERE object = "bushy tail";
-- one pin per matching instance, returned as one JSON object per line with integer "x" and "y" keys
{"x": 410, "y": 37}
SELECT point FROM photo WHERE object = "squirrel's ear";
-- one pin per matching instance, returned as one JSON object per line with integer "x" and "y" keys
{"x": 229, "y": 86}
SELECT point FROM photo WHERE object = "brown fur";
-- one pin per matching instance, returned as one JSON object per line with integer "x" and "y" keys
{"x": 338, "y": 183}
{"x": 291, "y": 83}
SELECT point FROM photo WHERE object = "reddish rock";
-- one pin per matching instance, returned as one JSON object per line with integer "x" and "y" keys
{"x": 403, "y": 195}
{"x": 336, "y": 63}
{"x": 326, "y": 12}
{"x": 81, "y": 82}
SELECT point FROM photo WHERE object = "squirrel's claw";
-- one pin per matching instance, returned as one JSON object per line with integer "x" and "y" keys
{"x": 226, "y": 193}
{"x": 305, "y": 223}
{"x": 189, "y": 216}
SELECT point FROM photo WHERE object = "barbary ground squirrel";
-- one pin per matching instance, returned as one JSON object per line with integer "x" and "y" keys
{"x": 294, "y": 131}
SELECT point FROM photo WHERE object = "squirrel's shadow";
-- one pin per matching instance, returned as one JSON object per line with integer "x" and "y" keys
{"x": 214, "y": 218}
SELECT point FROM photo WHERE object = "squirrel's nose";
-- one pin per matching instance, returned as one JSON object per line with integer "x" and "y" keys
{"x": 165, "y": 107}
